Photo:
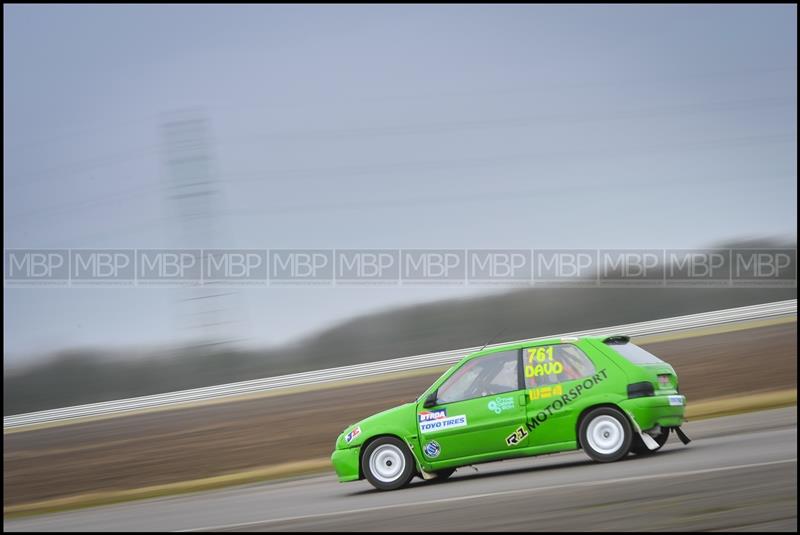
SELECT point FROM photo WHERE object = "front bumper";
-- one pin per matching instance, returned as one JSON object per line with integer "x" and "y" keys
{"x": 345, "y": 462}
{"x": 652, "y": 411}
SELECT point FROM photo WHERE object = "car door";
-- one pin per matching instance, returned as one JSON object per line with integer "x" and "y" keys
{"x": 479, "y": 410}
{"x": 552, "y": 372}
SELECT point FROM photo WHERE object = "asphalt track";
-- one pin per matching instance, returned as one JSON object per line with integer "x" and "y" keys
{"x": 740, "y": 472}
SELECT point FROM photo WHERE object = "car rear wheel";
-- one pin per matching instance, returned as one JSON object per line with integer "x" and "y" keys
{"x": 387, "y": 463}
{"x": 638, "y": 447}
{"x": 606, "y": 435}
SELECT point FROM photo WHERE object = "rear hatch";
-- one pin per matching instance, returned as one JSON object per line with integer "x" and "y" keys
{"x": 654, "y": 370}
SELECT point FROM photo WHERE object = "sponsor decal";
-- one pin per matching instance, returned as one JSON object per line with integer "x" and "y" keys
{"x": 548, "y": 368}
{"x": 676, "y": 401}
{"x": 540, "y": 354}
{"x": 540, "y": 362}
{"x": 544, "y": 392}
{"x": 500, "y": 404}
{"x": 443, "y": 423}
{"x": 432, "y": 449}
{"x": 352, "y": 434}
{"x": 516, "y": 437}
{"x": 427, "y": 416}
{"x": 572, "y": 394}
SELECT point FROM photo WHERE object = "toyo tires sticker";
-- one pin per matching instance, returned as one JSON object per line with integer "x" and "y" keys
{"x": 443, "y": 423}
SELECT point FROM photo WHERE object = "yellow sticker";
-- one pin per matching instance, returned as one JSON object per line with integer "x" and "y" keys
{"x": 540, "y": 354}
{"x": 544, "y": 392}
{"x": 548, "y": 368}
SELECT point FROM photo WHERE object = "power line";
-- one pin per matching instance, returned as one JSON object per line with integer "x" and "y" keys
{"x": 478, "y": 124}
{"x": 482, "y": 162}
{"x": 540, "y": 88}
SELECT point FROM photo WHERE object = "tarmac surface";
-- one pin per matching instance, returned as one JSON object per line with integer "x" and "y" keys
{"x": 738, "y": 473}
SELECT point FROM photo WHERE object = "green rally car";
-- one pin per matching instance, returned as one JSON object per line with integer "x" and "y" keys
{"x": 604, "y": 395}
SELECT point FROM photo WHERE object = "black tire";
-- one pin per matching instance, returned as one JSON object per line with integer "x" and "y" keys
{"x": 611, "y": 434}
{"x": 388, "y": 452}
{"x": 638, "y": 447}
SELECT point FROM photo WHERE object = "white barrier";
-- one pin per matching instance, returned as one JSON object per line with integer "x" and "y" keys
{"x": 704, "y": 319}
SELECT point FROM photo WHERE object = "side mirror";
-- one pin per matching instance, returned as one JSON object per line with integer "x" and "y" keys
{"x": 430, "y": 401}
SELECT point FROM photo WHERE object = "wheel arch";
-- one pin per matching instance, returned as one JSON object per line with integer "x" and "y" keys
{"x": 370, "y": 440}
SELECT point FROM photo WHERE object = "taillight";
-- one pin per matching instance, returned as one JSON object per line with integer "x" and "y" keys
{"x": 640, "y": 390}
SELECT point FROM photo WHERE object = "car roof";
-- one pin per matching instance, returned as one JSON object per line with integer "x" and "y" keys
{"x": 609, "y": 339}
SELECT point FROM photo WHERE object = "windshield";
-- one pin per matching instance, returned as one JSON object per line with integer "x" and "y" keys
{"x": 420, "y": 398}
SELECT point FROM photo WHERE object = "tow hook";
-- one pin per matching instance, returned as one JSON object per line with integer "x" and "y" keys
{"x": 681, "y": 435}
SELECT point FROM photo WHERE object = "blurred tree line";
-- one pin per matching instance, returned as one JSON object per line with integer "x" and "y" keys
{"x": 77, "y": 377}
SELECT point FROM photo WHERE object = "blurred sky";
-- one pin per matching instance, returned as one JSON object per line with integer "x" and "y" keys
{"x": 385, "y": 126}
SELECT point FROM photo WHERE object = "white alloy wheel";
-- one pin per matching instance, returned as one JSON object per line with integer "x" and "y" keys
{"x": 605, "y": 434}
{"x": 387, "y": 463}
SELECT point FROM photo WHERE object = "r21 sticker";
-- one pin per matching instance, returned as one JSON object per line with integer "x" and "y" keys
{"x": 516, "y": 437}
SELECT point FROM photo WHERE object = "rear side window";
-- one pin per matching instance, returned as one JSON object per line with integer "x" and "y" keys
{"x": 554, "y": 364}
{"x": 636, "y": 354}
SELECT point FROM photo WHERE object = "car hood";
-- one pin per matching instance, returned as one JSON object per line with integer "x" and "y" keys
{"x": 400, "y": 421}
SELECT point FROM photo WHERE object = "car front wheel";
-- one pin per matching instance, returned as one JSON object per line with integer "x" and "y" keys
{"x": 387, "y": 463}
{"x": 606, "y": 435}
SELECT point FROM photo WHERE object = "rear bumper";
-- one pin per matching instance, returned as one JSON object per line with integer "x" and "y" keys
{"x": 653, "y": 411}
{"x": 345, "y": 462}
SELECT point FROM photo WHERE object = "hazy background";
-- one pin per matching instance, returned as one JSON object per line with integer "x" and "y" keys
{"x": 382, "y": 126}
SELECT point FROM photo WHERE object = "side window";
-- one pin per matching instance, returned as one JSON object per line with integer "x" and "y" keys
{"x": 483, "y": 376}
{"x": 553, "y": 364}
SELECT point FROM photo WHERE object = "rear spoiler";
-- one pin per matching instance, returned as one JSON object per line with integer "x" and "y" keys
{"x": 617, "y": 340}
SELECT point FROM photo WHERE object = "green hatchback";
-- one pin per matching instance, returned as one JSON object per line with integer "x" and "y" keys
{"x": 606, "y": 396}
